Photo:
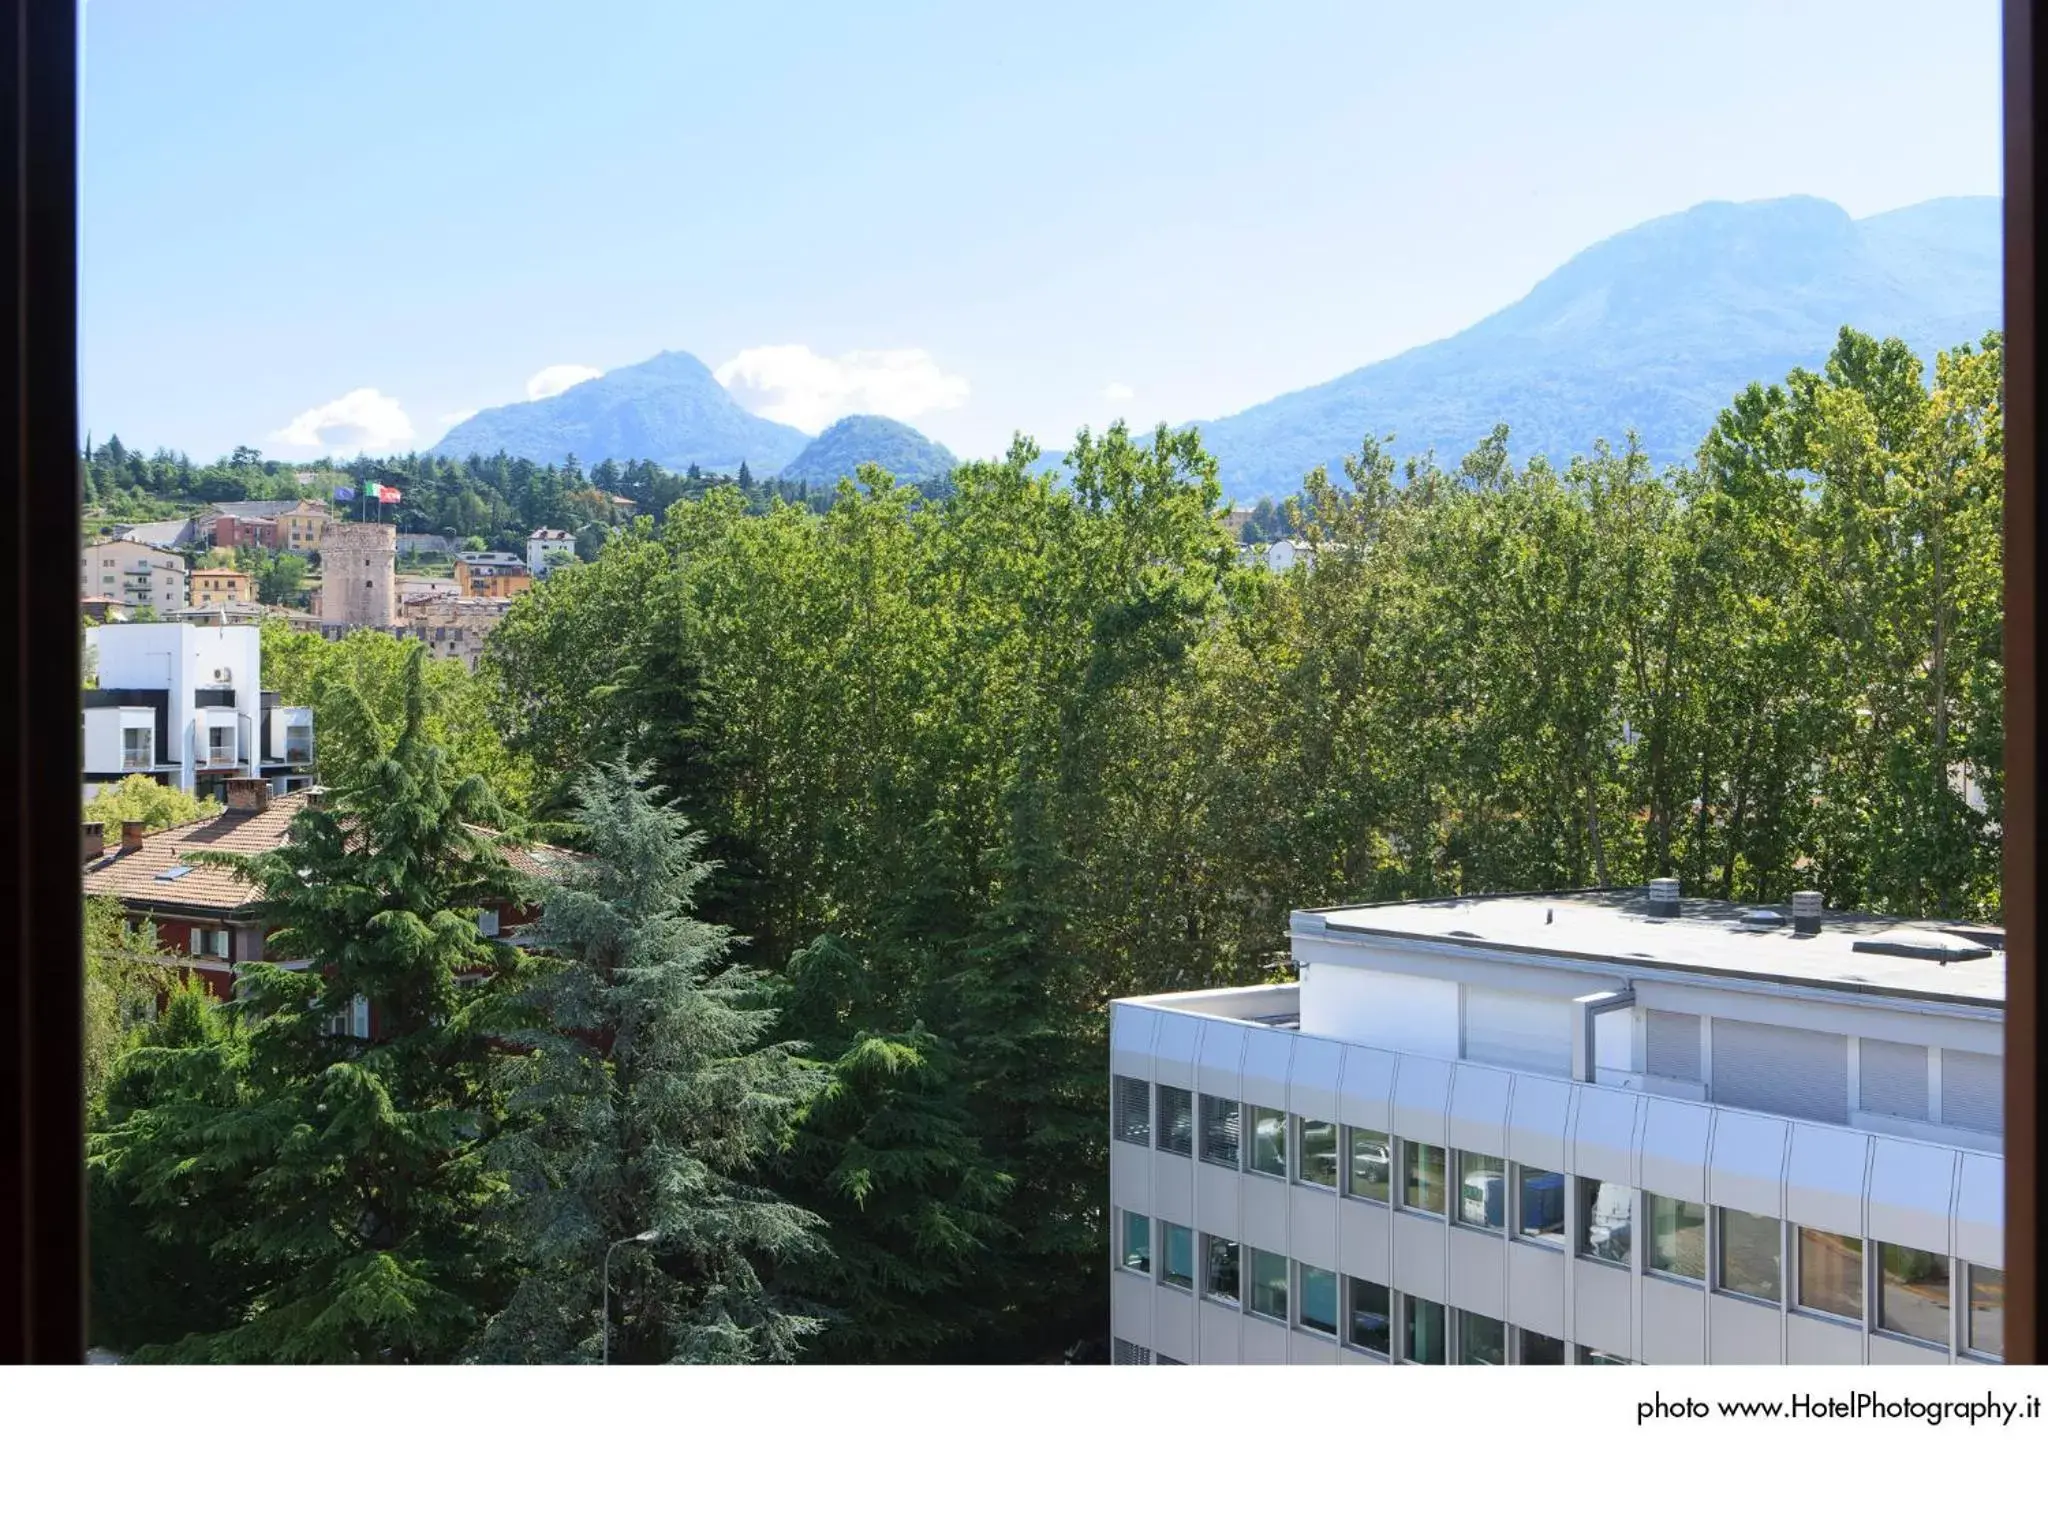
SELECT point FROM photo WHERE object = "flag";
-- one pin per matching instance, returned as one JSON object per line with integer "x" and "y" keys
{"x": 372, "y": 491}
{"x": 387, "y": 493}
{"x": 344, "y": 493}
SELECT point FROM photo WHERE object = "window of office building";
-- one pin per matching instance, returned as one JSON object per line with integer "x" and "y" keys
{"x": 1606, "y": 1220}
{"x": 1269, "y": 1285}
{"x": 1269, "y": 1140}
{"x": 1481, "y": 1340}
{"x": 1912, "y": 1298}
{"x": 1176, "y": 1120}
{"x": 1539, "y": 1205}
{"x": 1422, "y": 1177}
{"x": 1136, "y": 1250}
{"x": 1123, "y": 1352}
{"x": 1219, "y": 1130}
{"x": 1371, "y": 1321}
{"x": 1678, "y": 1236}
{"x": 1482, "y": 1191}
{"x": 1318, "y": 1300}
{"x": 1370, "y": 1165}
{"x": 1219, "y": 1270}
{"x": 1987, "y": 1311}
{"x": 1422, "y": 1330}
{"x": 1538, "y": 1348}
{"x": 1318, "y": 1163}
{"x": 1590, "y": 1356}
{"x": 1176, "y": 1255}
{"x": 1133, "y": 1110}
{"x": 1751, "y": 1255}
{"x": 1830, "y": 1273}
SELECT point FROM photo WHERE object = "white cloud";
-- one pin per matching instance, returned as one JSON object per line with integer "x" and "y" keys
{"x": 796, "y": 386}
{"x": 1117, "y": 391}
{"x": 556, "y": 377}
{"x": 361, "y": 421}
{"x": 456, "y": 418}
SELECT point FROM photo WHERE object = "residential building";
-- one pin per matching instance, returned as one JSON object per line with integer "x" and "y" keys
{"x": 1594, "y": 1129}
{"x": 411, "y": 587}
{"x": 218, "y": 586}
{"x": 300, "y": 531}
{"x": 244, "y": 530}
{"x": 547, "y": 547}
{"x": 184, "y": 704}
{"x": 133, "y": 572}
{"x": 357, "y": 565}
{"x": 104, "y": 610}
{"x": 491, "y": 575}
{"x": 170, "y": 533}
{"x": 451, "y": 626}
{"x": 205, "y": 917}
{"x": 235, "y": 612}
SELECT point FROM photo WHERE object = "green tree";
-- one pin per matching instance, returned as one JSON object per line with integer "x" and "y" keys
{"x": 140, "y": 798}
{"x": 650, "y": 1103}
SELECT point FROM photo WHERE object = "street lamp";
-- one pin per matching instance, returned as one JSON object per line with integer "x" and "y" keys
{"x": 637, "y": 1237}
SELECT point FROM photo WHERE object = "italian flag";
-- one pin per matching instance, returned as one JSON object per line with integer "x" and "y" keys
{"x": 376, "y": 492}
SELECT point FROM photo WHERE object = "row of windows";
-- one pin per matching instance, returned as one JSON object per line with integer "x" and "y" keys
{"x": 1359, "y": 1313}
{"x": 1750, "y": 1254}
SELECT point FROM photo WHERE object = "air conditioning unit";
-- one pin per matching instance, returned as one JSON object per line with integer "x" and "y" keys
{"x": 223, "y": 675}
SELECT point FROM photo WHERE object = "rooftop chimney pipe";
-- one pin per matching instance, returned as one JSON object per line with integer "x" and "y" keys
{"x": 249, "y": 795}
{"x": 95, "y": 840}
{"x": 1806, "y": 911}
{"x": 1664, "y": 897}
{"x": 132, "y": 833}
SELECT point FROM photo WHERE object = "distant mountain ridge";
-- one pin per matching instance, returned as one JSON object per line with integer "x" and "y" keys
{"x": 1654, "y": 329}
{"x": 840, "y": 450}
{"x": 669, "y": 409}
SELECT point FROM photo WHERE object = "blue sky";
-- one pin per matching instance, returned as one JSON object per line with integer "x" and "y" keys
{"x": 342, "y": 223}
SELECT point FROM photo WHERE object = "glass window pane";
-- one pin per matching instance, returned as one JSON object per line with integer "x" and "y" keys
{"x": 1269, "y": 1285}
{"x": 1133, "y": 1105}
{"x": 1422, "y": 1171}
{"x": 1371, "y": 1165}
{"x": 1750, "y": 1247}
{"x": 1319, "y": 1153}
{"x": 1219, "y": 1130}
{"x": 1422, "y": 1338}
{"x": 1541, "y": 1349}
{"x": 1987, "y": 1310}
{"x": 1598, "y": 1357}
{"x": 1678, "y": 1236}
{"x": 1372, "y": 1320}
{"x": 1269, "y": 1141}
{"x": 1913, "y": 1299}
{"x": 1318, "y": 1300}
{"x": 1137, "y": 1243}
{"x": 1176, "y": 1254}
{"x": 1219, "y": 1269}
{"x": 1539, "y": 1208}
{"x": 1482, "y": 1191}
{"x": 1481, "y": 1340}
{"x": 1831, "y": 1273}
{"x": 1176, "y": 1120}
{"x": 1606, "y": 1220}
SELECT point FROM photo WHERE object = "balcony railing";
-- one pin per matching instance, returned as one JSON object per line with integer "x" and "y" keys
{"x": 131, "y": 761}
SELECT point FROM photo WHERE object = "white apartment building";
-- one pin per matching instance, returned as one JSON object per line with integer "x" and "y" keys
{"x": 547, "y": 547}
{"x": 184, "y": 704}
{"x": 133, "y": 573}
{"x": 1588, "y": 1129}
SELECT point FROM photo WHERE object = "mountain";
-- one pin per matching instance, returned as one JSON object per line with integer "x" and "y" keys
{"x": 852, "y": 441}
{"x": 1655, "y": 329}
{"x": 668, "y": 409}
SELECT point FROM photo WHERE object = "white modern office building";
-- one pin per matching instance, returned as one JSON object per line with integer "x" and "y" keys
{"x": 184, "y": 704}
{"x": 1589, "y": 1129}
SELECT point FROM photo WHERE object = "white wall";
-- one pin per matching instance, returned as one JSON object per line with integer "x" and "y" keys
{"x": 1384, "y": 1008}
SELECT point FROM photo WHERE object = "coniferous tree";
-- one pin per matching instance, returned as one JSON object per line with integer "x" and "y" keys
{"x": 649, "y": 1102}
{"x": 365, "y": 1212}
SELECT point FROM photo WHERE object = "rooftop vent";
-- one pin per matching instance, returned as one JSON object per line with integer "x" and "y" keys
{"x": 1806, "y": 911}
{"x": 175, "y": 872}
{"x": 1921, "y": 944}
{"x": 1664, "y": 897}
{"x": 1762, "y": 918}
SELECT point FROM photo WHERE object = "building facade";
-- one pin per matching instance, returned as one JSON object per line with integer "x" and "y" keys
{"x": 184, "y": 704}
{"x": 1590, "y": 1129}
{"x": 358, "y": 562}
{"x": 133, "y": 573}
{"x": 453, "y": 627}
{"x": 219, "y": 587}
{"x": 244, "y": 530}
{"x": 302, "y": 530}
{"x": 491, "y": 575}
{"x": 546, "y": 547}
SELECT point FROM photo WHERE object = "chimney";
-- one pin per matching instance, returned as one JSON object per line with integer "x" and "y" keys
{"x": 249, "y": 795}
{"x": 132, "y": 833}
{"x": 1806, "y": 911}
{"x": 95, "y": 840}
{"x": 1664, "y": 897}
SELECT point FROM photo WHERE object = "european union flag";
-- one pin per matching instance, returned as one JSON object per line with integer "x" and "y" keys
{"x": 344, "y": 493}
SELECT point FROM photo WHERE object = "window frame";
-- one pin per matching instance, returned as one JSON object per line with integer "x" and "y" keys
{"x": 1391, "y": 1314}
{"x": 1455, "y": 1192}
{"x": 1404, "y": 1147}
{"x": 1202, "y": 1124}
{"x": 1207, "y": 1271}
{"x": 1160, "y": 1120}
{"x": 1409, "y": 1301}
{"x": 1124, "y": 1218}
{"x": 1248, "y": 1277}
{"x": 1163, "y": 1231}
{"x": 1875, "y": 1272}
{"x": 1249, "y": 1144}
{"x": 1796, "y": 1288}
{"x": 1517, "y": 1226}
{"x": 1650, "y": 1200}
{"x": 1386, "y": 1140}
{"x": 1966, "y": 1329}
{"x": 1721, "y": 1214}
{"x": 1118, "y": 1125}
{"x": 1297, "y": 1156}
{"x": 1298, "y": 1295}
{"x": 1581, "y": 1235}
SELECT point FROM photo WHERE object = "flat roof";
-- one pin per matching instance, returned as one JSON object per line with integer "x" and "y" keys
{"x": 1614, "y": 930}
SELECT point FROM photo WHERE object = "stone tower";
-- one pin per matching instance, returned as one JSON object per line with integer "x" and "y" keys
{"x": 356, "y": 582}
